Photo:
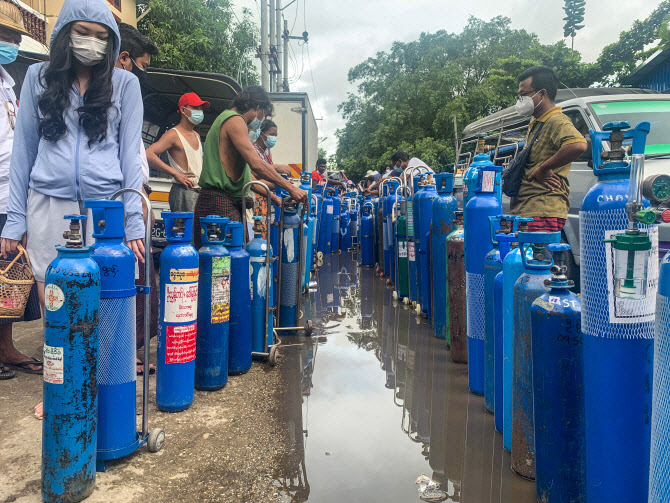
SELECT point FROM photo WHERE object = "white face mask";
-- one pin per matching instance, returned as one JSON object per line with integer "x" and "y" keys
{"x": 525, "y": 106}
{"x": 88, "y": 50}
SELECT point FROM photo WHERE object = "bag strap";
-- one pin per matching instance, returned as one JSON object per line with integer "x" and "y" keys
{"x": 536, "y": 135}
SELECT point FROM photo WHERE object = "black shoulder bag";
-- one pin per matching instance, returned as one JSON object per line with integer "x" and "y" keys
{"x": 512, "y": 175}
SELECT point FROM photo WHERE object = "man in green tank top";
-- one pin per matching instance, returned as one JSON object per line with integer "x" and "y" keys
{"x": 230, "y": 159}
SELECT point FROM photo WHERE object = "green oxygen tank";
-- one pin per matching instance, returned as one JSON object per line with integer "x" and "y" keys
{"x": 402, "y": 270}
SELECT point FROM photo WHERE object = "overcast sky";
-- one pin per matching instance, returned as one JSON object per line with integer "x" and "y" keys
{"x": 343, "y": 33}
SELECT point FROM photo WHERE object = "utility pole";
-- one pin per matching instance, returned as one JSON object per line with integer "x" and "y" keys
{"x": 273, "y": 41}
{"x": 265, "y": 49}
{"x": 285, "y": 72}
{"x": 278, "y": 44}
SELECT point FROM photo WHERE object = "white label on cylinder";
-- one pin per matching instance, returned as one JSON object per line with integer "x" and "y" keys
{"x": 53, "y": 364}
{"x": 402, "y": 249}
{"x": 410, "y": 251}
{"x": 488, "y": 181}
{"x": 53, "y": 297}
{"x": 329, "y": 209}
{"x": 181, "y": 302}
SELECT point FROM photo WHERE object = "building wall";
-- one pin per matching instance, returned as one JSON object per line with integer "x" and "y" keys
{"x": 658, "y": 79}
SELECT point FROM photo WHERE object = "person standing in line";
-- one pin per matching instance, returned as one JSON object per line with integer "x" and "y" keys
{"x": 319, "y": 172}
{"x": 184, "y": 150}
{"x": 11, "y": 30}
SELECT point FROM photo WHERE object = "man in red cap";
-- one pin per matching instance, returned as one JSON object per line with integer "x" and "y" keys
{"x": 184, "y": 149}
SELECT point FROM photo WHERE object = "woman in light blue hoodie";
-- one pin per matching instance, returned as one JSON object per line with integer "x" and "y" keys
{"x": 77, "y": 136}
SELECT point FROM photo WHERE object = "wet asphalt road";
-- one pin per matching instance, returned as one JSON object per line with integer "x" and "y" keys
{"x": 373, "y": 401}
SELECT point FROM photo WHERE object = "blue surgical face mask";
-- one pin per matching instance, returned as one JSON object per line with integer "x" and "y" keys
{"x": 253, "y": 135}
{"x": 8, "y": 52}
{"x": 256, "y": 124}
{"x": 197, "y": 116}
{"x": 270, "y": 141}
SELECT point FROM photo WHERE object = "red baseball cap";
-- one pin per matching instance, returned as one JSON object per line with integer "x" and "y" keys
{"x": 193, "y": 100}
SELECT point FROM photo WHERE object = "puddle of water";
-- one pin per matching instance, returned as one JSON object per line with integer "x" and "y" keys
{"x": 374, "y": 401}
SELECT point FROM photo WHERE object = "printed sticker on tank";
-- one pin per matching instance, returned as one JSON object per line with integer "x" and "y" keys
{"x": 53, "y": 297}
{"x": 410, "y": 251}
{"x": 626, "y": 310}
{"x": 181, "y": 303}
{"x": 53, "y": 364}
{"x": 547, "y": 306}
{"x": 329, "y": 209}
{"x": 184, "y": 275}
{"x": 180, "y": 344}
{"x": 402, "y": 249}
{"x": 488, "y": 181}
{"x": 220, "y": 289}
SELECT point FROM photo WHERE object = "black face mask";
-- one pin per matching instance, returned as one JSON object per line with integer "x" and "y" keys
{"x": 138, "y": 72}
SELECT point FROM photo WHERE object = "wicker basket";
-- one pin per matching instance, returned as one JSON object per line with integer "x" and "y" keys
{"x": 16, "y": 280}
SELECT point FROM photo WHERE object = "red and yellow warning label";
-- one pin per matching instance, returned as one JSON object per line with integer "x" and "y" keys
{"x": 180, "y": 344}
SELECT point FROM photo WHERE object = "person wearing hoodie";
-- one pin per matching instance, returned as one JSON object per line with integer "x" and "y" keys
{"x": 77, "y": 137}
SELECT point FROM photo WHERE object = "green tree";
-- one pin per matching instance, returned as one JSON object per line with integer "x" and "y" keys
{"x": 574, "y": 18}
{"x": 200, "y": 35}
{"x": 322, "y": 153}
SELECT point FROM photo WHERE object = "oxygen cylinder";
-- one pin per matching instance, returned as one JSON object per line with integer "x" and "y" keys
{"x": 416, "y": 208}
{"x": 618, "y": 333}
{"x": 389, "y": 231}
{"x": 444, "y": 209}
{"x": 335, "y": 230}
{"x": 457, "y": 336}
{"x": 257, "y": 250}
{"x": 274, "y": 233}
{"x": 367, "y": 236}
{"x": 211, "y": 349}
{"x": 659, "y": 489}
{"x": 492, "y": 266}
{"x": 239, "y": 331}
{"x": 512, "y": 271}
{"x": 411, "y": 245}
{"x": 117, "y": 370}
{"x": 177, "y": 322}
{"x": 317, "y": 210}
{"x": 326, "y": 230}
{"x": 402, "y": 287}
{"x": 379, "y": 227}
{"x": 558, "y": 389}
{"x": 527, "y": 288}
{"x": 345, "y": 225}
{"x": 354, "y": 219}
{"x": 70, "y": 387}
{"x": 484, "y": 204}
{"x": 310, "y": 239}
{"x": 383, "y": 242}
{"x": 306, "y": 185}
{"x": 288, "y": 301}
{"x": 428, "y": 195}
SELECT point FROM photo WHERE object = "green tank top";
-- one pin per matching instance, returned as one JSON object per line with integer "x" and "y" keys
{"x": 213, "y": 175}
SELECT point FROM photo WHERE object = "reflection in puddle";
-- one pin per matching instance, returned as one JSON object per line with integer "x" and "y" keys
{"x": 373, "y": 400}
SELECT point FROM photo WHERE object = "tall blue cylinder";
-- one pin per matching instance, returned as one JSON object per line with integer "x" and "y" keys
{"x": 354, "y": 220}
{"x": 444, "y": 214}
{"x": 177, "y": 322}
{"x": 428, "y": 195}
{"x": 326, "y": 228}
{"x": 483, "y": 205}
{"x": 527, "y": 288}
{"x": 345, "y": 225}
{"x": 211, "y": 349}
{"x": 306, "y": 185}
{"x": 70, "y": 387}
{"x": 659, "y": 488}
{"x": 558, "y": 393}
{"x": 257, "y": 249}
{"x": 413, "y": 240}
{"x": 239, "y": 331}
{"x": 290, "y": 255}
{"x": 492, "y": 266}
{"x": 335, "y": 229}
{"x": 117, "y": 371}
{"x": 389, "y": 234}
{"x": 367, "y": 236}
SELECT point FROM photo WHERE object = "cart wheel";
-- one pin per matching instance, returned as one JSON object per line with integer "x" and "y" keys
{"x": 395, "y": 295}
{"x": 319, "y": 255}
{"x": 418, "y": 309}
{"x": 272, "y": 360}
{"x": 406, "y": 301}
{"x": 309, "y": 327}
{"x": 156, "y": 439}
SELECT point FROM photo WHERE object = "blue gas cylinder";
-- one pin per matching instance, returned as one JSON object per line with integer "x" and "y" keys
{"x": 177, "y": 321}
{"x": 335, "y": 229}
{"x": 527, "y": 288}
{"x": 326, "y": 230}
{"x": 70, "y": 387}
{"x": 411, "y": 245}
{"x": 499, "y": 226}
{"x": 211, "y": 349}
{"x": 345, "y": 224}
{"x": 444, "y": 214}
{"x": 389, "y": 234}
{"x": 415, "y": 270}
{"x": 239, "y": 332}
{"x": 428, "y": 195}
{"x": 558, "y": 389}
{"x": 288, "y": 300}
{"x": 306, "y": 185}
{"x": 484, "y": 204}
{"x": 659, "y": 488}
{"x": 261, "y": 325}
{"x": 274, "y": 233}
{"x": 367, "y": 235}
{"x": 512, "y": 271}
{"x": 618, "y": 334}
{"x": 353, "y": 219}
{"x": 117, "y": 371}
{"x": 381, "y": 226}
{"x": 317, "y": 210}
{"x": 310, "y": 245}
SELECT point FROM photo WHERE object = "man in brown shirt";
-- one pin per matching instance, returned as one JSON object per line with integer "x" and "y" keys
{"x": 545, "y": 190}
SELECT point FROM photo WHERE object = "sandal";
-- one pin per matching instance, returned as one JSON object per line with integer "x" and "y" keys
{"x": 5, "y": 372}
{"x": 23, "y": 366}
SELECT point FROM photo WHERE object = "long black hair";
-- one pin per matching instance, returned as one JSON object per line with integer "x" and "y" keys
{"x": 57, "y": 80}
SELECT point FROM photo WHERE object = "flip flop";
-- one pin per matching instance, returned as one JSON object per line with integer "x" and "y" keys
{"x": 152, "y": 370}
{"x": 23, "y": 366}
{"x": 5, "y": 374}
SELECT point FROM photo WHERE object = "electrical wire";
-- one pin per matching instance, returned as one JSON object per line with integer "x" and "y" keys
{"x": 316, "y": 97}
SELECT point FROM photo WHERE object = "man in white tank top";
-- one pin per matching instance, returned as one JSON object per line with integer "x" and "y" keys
{"x": 184, "y": 151}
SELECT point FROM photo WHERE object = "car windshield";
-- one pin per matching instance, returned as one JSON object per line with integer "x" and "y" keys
{"x": 657, "y": 113}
